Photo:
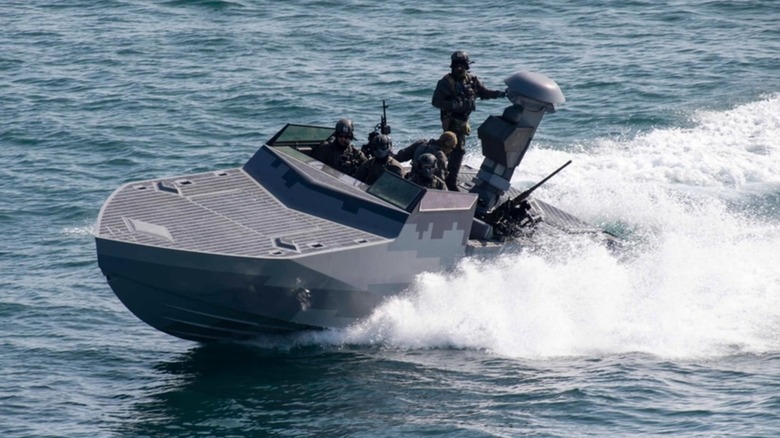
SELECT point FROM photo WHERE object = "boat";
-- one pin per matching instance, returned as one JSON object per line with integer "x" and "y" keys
{"x": 286, "y": 243}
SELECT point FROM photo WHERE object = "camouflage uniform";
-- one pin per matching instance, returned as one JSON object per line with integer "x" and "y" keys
{"x": 433, "y": 183}
{"x": 366, "y": 148}
{"x": 455, "y": 96}
{"x": 424, "y": 173}
{"x": 414, "y": 150}
{"x": 371, "y": 170}
{"x": 345, "y": 160}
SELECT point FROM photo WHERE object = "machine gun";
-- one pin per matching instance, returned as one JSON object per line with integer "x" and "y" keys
{"x": 383, "y": 127}
{"x": 513, "y": 218}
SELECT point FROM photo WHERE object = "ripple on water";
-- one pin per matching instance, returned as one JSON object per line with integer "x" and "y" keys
{"x": 95, "y": 94}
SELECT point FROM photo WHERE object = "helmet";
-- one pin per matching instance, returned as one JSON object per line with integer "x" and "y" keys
{"x": 426, "y": 163}
{"x": 381, "y": 144}
{"x": 460, "y": 57}
{"x": 344, "y": 126}
{"x": 447, "y": 142}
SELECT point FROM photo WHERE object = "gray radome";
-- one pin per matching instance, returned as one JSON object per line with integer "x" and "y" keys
{"x": 535, "y": 86}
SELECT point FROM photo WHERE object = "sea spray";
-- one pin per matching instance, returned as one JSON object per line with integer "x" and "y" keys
{"x": 701, "y": 281}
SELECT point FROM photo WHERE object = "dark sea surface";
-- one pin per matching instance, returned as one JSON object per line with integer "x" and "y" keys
{"x": 672, "y": 121}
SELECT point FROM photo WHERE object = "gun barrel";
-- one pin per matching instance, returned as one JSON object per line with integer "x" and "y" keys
{"x": 528, "y": 192}
{"x": 384, "y": 128}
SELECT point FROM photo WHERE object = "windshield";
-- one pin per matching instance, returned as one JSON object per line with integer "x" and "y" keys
{"x": 396, "y": 190}
{"x": 300, "y": 135}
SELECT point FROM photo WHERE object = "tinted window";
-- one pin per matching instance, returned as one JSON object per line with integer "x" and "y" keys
{"x": 296, "y": 135}
{"x": 396, "y": 190}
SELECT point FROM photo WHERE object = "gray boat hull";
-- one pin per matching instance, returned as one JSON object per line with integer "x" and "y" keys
{"x": 203, "y": 297}
{"x": 287, "y": 243}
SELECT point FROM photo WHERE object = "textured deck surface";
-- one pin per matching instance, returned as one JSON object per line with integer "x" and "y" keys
{"x": 228, "y": 212}
{"x": 224, "y": 212}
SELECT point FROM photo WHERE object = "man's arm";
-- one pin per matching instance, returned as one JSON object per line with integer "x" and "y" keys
{"x": 362, "y": 172}
{"x": 320, "y": 152}
{"x": 407, "y": 153}
{"x": 442, "y": 95}
{"x": 441, "y": 163}
{"x": 484, "y": 92}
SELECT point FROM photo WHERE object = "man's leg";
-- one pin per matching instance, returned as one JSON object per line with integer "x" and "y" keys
{"x": 454, "y": 160}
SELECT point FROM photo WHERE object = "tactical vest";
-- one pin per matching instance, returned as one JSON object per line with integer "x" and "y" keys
{"x": 350, "y": 160}
{"x": 462, "y": 89}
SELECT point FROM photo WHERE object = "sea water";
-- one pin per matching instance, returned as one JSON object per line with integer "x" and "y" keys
{"x": 672, "y": 120}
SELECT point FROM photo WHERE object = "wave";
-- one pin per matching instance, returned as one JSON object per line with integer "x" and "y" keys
{"x": 701, "y": 281}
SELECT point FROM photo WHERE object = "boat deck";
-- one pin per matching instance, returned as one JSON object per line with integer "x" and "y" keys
{"x": 222, "y": 212}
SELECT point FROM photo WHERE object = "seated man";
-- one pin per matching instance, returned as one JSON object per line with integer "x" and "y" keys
{"x": 424, "y": 173}
{"x": 366, "y": 148}
{"x": 338, "y": 151}
{"x": 381, "y": 148}
{"x": 440, "y": 148}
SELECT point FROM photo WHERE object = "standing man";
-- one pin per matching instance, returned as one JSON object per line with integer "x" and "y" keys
{"x": 455, "y": 96}
{"x": 338, "y": 151}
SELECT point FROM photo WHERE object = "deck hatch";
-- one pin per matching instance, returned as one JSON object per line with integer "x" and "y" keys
{"x": 289, "y": 245}
{"x": 169, "y": 189}
{"x": 148, "y": 228}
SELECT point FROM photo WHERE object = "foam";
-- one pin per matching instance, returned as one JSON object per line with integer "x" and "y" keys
{"x": 702, "y": 279}
{"x": 683, "y": 298}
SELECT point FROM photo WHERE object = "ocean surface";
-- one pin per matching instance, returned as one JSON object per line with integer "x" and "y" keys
{"x": 672, "y": 120}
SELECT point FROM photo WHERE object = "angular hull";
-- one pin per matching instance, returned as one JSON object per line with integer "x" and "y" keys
{"x": 287, "y": 243}
{"x": 241, "y": 262}
{"x": 205, "y": 297}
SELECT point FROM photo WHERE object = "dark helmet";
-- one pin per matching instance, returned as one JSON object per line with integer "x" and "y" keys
{"x": 426, "y": 163}
{"x": 460, "y": 57}
{"x": 344, "y": 126}
{"x": 381, "y": 145}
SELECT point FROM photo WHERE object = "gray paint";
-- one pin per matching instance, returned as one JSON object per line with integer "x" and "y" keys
{"x": 285, "y": 243}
